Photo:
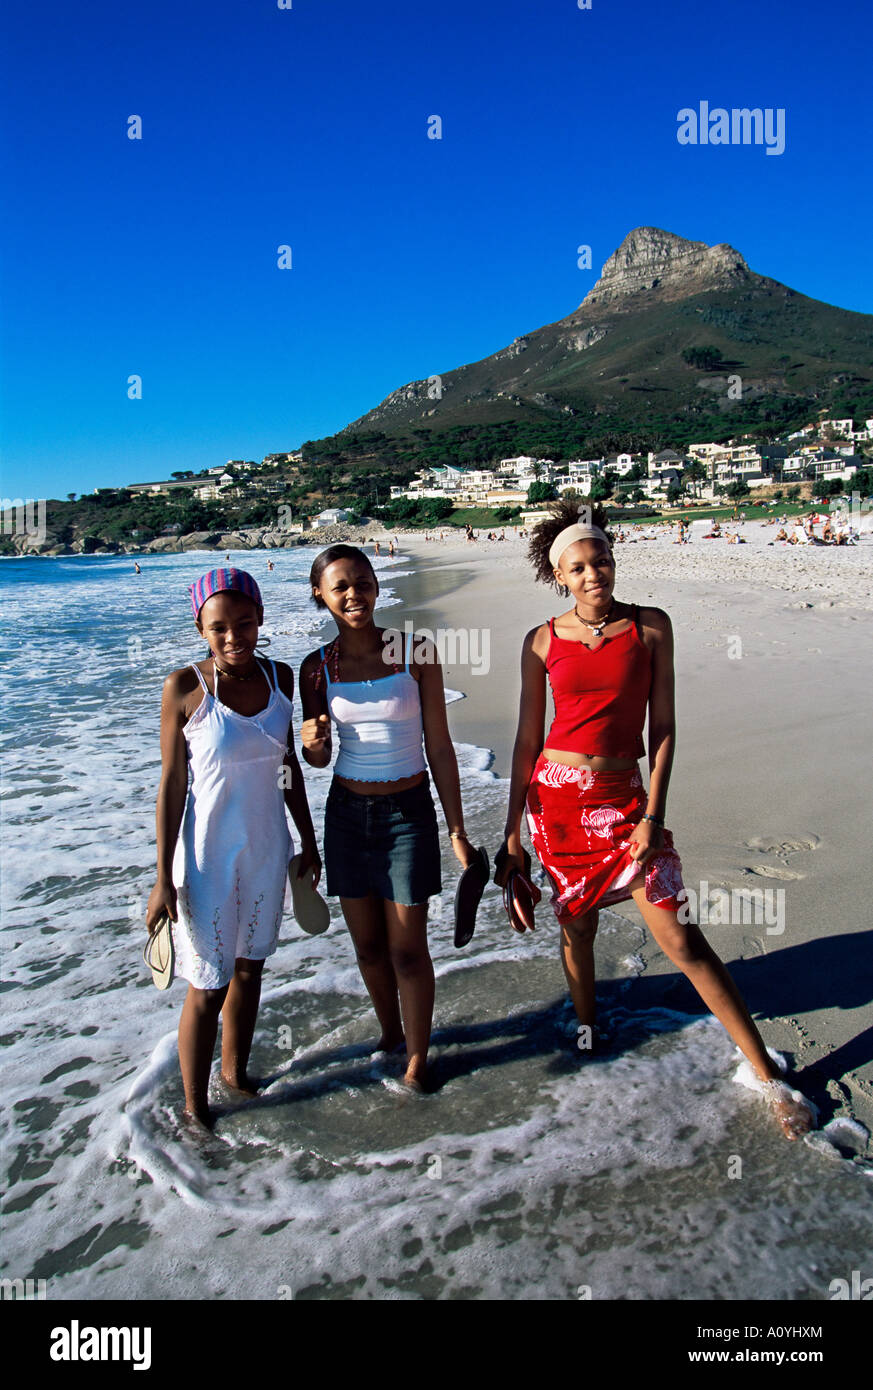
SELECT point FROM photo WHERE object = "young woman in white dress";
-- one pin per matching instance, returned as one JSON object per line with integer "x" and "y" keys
{"x": 222, "y": 881}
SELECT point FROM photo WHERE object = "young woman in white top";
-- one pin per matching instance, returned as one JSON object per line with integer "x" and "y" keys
{"x": 381, "y": 841}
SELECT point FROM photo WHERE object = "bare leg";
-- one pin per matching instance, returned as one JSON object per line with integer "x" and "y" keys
{"x": 413, "y": 968}
{"x": 198, "y": 1028}
{"x": 238, "y": 1019}
{"x": 577, "y": 958}
{"x": 365, "y": 920}
{"x": 686, "y": 946}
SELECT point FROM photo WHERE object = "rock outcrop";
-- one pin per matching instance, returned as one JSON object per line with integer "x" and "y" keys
{"x": 651, "y": 259}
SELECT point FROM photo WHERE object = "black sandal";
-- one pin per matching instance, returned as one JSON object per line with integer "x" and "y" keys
{"x": 468, "y": 894}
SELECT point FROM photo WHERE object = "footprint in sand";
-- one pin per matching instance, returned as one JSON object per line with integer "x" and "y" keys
{"x": 753, "y": 946}
{"x": 770, "y": 871}
{"x": 777, "y": 844}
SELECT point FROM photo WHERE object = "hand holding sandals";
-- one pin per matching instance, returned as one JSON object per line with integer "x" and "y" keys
{"x": 512, "y": 865}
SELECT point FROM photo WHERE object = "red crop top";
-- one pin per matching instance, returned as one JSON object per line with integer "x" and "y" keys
{"x": 600, "y": 695}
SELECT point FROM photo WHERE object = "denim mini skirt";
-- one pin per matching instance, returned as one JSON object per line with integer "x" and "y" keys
{"x": 385, "y": 845}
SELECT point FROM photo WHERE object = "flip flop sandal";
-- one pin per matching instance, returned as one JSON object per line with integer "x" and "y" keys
{"x": 520, "y": 897}
{"x": 159, "y": 953}
{"x": 471, "y": 886}
{"x": 310, "y": 909}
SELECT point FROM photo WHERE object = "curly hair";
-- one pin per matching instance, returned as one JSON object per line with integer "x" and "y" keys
{"x": 327, "y": 557}
{"x": 566, "y": 512}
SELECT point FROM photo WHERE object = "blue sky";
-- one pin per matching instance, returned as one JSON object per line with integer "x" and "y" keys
{"x": 308, "y": 127}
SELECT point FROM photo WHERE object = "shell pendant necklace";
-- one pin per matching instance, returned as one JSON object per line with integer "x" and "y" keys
{"x": 596, "y": 628}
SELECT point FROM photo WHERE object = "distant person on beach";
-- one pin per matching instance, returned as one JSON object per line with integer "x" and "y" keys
{"x": 270, "y": 565}
{"x": 222, "y": 881}
{"x": 375, "y": 547}
{"x": 597, "y": 834}
{"x": 381, "y": 841}
{"x": 391, "y": 549}
{"x": 136, "y": 568}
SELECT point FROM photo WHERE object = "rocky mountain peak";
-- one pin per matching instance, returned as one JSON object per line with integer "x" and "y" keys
{"x": 651, "y": 259}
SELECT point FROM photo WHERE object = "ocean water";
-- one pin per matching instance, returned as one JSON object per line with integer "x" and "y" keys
{"x": 532, "y": 1171}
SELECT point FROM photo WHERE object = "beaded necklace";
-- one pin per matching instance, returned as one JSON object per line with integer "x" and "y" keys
{"x": 331, "y": 661}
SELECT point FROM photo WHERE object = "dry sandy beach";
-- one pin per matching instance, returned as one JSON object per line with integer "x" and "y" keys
{"x": 772, "y": 778}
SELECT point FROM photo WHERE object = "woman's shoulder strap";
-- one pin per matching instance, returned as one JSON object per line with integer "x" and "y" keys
{"x": 199, "y": 674}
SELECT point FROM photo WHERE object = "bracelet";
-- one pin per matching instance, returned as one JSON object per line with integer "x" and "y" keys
{"x": 657, "y": 820}
{"x": 457, "y": 835}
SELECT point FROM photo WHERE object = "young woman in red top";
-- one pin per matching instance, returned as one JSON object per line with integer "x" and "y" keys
{"x": 599, "y": 836}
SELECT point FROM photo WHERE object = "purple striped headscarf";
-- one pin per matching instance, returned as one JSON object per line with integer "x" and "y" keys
{"x": 216, "y": 581}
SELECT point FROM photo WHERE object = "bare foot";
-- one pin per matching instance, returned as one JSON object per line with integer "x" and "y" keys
{"x": 386, "y": 1045}
{"x": 415, "y": 1076}
{"x": 791, "y": 1109}
{"x": 404, "y": 1088}
{"x": 198, "y": 1126}
{"x": 241, "y": 1086}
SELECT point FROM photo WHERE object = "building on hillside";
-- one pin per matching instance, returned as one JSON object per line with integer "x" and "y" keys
{"x": 730, "y": 463}
{"x": 463, "y": 486}
{"x": 819, "y": 464}
{"x": 525, "y": 467}
{"x": 666, "y": 476}
{"x": 162, "y": 489}
{"x": 332, "y": 516}
{"x": 619, "y": 463}
{"x": 663, "y": 460}
{"x": 506, "y": 497}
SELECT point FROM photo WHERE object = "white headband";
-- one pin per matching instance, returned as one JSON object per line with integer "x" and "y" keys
{"x": 571, "y": 534}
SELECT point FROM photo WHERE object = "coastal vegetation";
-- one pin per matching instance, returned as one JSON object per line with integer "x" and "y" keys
{"x": 114, "y": 519}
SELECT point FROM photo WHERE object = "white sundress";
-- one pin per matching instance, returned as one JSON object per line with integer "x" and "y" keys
{"x": 230, "y": 867}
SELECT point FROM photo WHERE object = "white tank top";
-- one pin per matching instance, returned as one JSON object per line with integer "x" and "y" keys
{"x": 379, "y": 724}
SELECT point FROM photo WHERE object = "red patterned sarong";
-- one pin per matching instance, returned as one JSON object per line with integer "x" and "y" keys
{"x": 580, "y": 824}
